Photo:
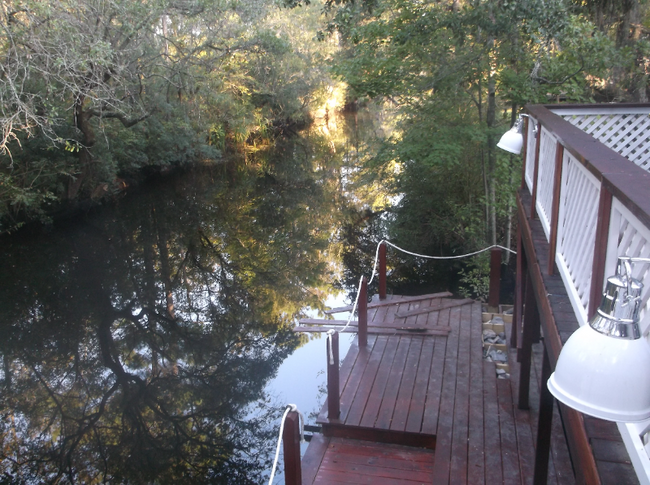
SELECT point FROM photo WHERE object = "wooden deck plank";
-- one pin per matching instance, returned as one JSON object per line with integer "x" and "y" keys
{"x": 402, "y": 406}
{"x": 351, "y": 384}
{"x": 509, "y": 456}
{"x": 379, "y": 386}
{"x": 523, "y": 427}
{"x": 476, "y": 447}
{"x": 493, "y": 468}
{"x": 377, "y": 469}
{"x": 434, "y": 390}
{"x": 385, "y": 415}
{"x": 460, "y": 434}
{"x": 358, "y": 404}
{"x": 359, "y": 462}
{"x": 313, "y": 457}
{"x": 433, "y": 385}
{"x": 446, "y": 413}
{"x": 418, "y": 401}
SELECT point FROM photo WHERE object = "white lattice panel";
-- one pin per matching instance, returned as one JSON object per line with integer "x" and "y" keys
{"x": 624, "y": 130}
{"x": 531, "y": 148}
{"x": 629, "y": 237}
{"x": 546, "y": 171}
{"x": 578, "y": 215}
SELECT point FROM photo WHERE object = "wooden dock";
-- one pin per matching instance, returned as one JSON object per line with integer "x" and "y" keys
{"x": 420, "y": 407}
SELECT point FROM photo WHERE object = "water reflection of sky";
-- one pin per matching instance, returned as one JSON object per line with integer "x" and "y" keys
{"x": 301, "y": 379}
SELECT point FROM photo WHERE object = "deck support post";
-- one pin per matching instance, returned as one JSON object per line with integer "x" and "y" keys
{"x": 363, "y": 314}
{"x": 529, "y": 335}
{"x": 333, "y": 388}
{"x": 520, "y": 280}
{"x": 382, "y": 271}
{"x": 291, "y": 441}
{"x": 545, "y": 420}
{"x": 495, "y": 278}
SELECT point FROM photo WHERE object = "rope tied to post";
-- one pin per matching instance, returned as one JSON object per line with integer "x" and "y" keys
{"x": 330, "y": 351}
{"x": 374, "y": 267}
{"x": 289, "y": 408}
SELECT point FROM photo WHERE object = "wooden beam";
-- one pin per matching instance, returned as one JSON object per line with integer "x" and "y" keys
{"x": 363, "y": 314}
{"x": 291, "y": 441}
{"x": 544, "y": 422}
{"x": 495, "y": 278}
{"x": 395, "y": 300}
{"x": 382, "y": 271}
{"x": 531, "y": 328}
{"x": 434, "y": 308}
{"x": 555, "y": 210}
{"x": 600, "y": 250}
{"x": 520, "y": 279}
{"x": 391, "y": 436}
{"x": 429, "y": 330}
{"x": 333, "y": 387}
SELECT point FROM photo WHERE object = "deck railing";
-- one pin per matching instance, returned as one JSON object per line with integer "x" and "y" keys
{"x": 594, "y": 205}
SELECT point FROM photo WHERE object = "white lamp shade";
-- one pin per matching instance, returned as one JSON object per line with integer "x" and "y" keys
{"x": 603, "y": 376}
{"x": 511, "y": 141}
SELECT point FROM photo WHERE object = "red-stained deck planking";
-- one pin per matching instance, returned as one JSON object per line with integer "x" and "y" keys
{"x": 435, "y": 393}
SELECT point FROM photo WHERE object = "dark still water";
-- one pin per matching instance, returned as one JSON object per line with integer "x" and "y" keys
{"x": 137, "y": 344}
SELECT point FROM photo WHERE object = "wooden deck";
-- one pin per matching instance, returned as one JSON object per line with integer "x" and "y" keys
{"x": 433, "y": 396}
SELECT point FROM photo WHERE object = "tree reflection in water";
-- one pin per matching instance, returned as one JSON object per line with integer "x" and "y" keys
{"x": 136, "y": 345}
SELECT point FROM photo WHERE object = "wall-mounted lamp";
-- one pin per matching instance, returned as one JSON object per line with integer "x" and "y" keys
{"x": 603, "y": 368}
{"x": 513, "y": 139}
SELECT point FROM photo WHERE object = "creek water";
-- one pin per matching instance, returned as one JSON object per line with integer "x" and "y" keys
{"x": 150, "y": 341}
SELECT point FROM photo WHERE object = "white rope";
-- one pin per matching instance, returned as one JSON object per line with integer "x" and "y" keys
{"x": 290, "y": 407}
{"x": 354, "y": 307}
{"x": 330, "y": 332}
{"x": 374, "y": 268}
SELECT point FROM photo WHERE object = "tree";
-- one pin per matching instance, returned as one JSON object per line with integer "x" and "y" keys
{"x": 459, "y": 72}
{"x": 92, "y": 90}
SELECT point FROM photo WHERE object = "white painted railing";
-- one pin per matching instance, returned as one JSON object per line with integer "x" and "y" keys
{"x": 626, "y": 130}
{"x": 531, "y": 147}
{"x": 545, "y": 177}
{"x": 579, "y": 195}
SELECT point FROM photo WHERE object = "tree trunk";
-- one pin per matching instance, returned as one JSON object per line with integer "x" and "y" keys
{"x": 492, "y": 158}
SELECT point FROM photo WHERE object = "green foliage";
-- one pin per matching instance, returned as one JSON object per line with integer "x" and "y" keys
{"x": 475, "y": 278}
{"x": 451, "y": 70}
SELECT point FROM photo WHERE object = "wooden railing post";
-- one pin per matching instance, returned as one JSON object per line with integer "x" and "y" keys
{"x": 382, "y": 271}
{"x": 600, "y": 250}
{"x": 363, "y": 314}
{"x": 529, "y": 335}
{"x": 544, "y": 423}
{"x": 333, "y": 390}
{"x": 291, "y": 441}
{"x": 495, "y": 277}
{"x": 555, "y": 210}
{"x": 520, "y": 281}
